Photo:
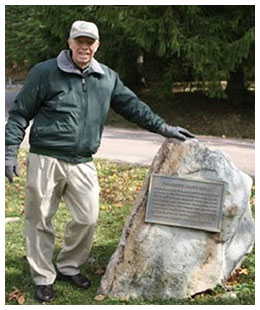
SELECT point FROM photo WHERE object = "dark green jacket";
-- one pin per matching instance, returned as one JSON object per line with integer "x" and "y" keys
{"x": 69, "y": 108}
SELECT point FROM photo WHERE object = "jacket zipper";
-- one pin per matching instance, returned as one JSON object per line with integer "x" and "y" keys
{"x": 84, "y": 86}
{"x": 83, "y": 115}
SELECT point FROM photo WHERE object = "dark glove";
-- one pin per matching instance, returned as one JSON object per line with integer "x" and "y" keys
{"x": 175, "y": 132}
{"x": 11, "y": 161}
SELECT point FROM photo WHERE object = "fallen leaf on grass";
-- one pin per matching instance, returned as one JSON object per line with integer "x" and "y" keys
{"x": 234, "y": 279}
{"x": 243, "y": 271}
{"x": 124, "y": 299}
{"x": 201, "y": 295}
{"x": 17, "y": 295}
{"x": 100, "y": 271}
{"x": 21, "y": 300}
{"x": 100, "y": 297}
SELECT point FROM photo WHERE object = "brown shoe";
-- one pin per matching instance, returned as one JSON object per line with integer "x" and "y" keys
{"x": 79, "y": 280}
{"x": 45, "y": 293}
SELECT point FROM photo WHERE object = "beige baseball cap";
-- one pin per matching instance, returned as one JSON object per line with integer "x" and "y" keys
{"x": 82, "y": 28}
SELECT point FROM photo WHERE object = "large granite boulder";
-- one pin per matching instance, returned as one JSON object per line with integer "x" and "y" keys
{"x": 155, "y": 261}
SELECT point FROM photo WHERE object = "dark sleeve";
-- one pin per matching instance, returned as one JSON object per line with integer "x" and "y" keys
{"x": 25, "y": 107}
{"x": 127, "y": 104}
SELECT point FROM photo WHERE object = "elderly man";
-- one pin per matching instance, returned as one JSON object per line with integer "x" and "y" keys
{"x": 68, "y": 97}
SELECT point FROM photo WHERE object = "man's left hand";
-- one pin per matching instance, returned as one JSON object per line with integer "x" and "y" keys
{"x": 175, "y": 132}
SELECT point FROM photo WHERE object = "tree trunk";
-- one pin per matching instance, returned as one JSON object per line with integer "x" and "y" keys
{"x": 236, "y": 90}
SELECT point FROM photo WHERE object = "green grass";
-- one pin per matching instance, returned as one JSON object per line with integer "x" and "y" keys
{"x": 120, "y": 184}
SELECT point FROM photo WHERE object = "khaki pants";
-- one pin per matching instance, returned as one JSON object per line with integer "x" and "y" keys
{"x": 48, "y": 180}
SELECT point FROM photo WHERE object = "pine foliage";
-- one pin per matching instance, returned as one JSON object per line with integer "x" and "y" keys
{"x": 204, "y": 44}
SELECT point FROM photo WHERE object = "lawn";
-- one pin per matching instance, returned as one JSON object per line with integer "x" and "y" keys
{"x": 120, "y": 184}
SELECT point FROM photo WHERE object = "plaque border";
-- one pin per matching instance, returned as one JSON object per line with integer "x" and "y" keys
{"x": 209, "y": 229}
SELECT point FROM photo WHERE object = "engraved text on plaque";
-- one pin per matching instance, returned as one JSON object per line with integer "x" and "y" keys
{"x": 185, "y": 202}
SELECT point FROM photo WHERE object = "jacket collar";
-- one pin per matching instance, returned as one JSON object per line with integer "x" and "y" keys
{"x": 66, "y": 64}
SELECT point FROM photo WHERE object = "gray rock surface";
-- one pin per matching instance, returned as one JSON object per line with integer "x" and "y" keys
{"x": 155, "y": 261}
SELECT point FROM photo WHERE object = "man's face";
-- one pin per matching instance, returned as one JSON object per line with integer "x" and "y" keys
{"x": 83, "y": 50}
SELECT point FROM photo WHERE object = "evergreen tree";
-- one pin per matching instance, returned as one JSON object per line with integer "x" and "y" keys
{"x": 208, "y": 43}
{"x": 24, "y": 30}
{"x": 205, "y": 44}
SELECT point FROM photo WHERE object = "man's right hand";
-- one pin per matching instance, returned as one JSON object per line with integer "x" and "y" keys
{"x": 11, "y": 161}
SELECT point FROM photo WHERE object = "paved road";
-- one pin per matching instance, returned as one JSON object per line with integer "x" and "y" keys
{"x": 140, "y": 147}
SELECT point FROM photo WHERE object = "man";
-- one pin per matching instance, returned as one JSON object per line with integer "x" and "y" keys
{"x": 68, "y": 97}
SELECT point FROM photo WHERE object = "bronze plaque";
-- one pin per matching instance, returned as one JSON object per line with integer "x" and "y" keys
{"x": 185, "y": 202}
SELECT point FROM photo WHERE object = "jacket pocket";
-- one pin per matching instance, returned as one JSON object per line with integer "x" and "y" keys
{"x": 57, "y": 135}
